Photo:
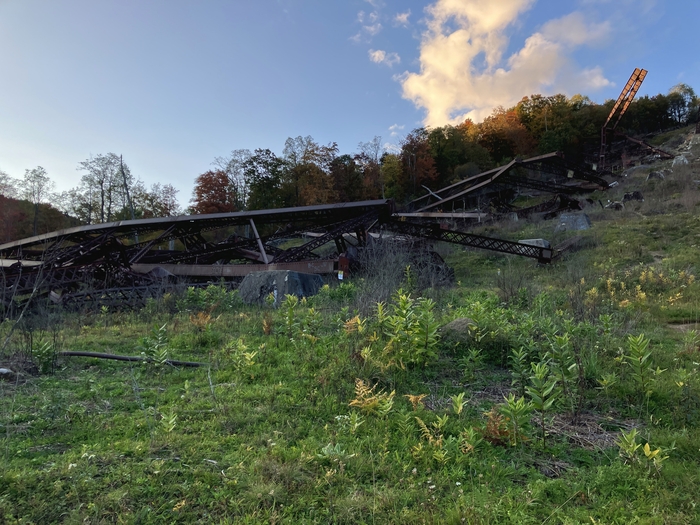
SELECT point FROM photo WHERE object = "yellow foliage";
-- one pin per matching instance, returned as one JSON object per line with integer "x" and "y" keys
{"x": 201, "y": 320}
{"x": 354, "y": 325}
{"x": 371, "y": 402}
{"x": 416, "y": 400}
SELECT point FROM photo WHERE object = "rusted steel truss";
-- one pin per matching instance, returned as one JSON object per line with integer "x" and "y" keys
{"x": 124, "y": 263}
{"x": 618, "y": 110}
{"x": 559, "y": 178}
{"x": 436, "y": 233}
{"x": 103, "y": 264}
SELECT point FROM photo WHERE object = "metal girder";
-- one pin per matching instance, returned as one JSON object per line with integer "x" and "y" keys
{"x": 552, "y": 163}
{"x": 91, "y": 259}
{"x": 321, "y": 266}
{"x": 322, "y": 214}
{"x": 337, "y": 231}
{"x": 543, "y": 255}
{"x": 472, "y": 188}
{"x": 622, "y": 103}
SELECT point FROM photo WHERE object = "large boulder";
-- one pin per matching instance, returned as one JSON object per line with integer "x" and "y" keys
{"x": 257, "y": 286}
{"x": 680, "y": 160}
{"x": 456, "y": 333}
{"x": 573, "y": 222}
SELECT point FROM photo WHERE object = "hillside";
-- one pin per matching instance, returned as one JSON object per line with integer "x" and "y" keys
{"x": 17, "y": 219}
{"x": 565, "y": 393}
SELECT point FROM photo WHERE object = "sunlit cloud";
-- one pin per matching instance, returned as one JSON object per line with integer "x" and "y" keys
{"x": 463, "y": 70}
{"x": 395, "y": 129}
{"x": 379, "y": 56}
{"x": 370, "y": 25}
{"x": 401, "y": 19}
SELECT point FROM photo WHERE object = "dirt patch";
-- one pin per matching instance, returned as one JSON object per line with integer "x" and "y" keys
{"x": 658, "y": 256}
{"x": 590, "y": 431}
{"x": 685, "y": 327}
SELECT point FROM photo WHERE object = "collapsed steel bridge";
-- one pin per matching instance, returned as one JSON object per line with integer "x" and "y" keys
{"x": 548, "y": 173}
{"x": 122, "y": 263}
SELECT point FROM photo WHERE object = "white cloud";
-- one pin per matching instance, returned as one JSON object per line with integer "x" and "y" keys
{"x": 390, "y": 147}
{"x": 379, "y": 56}
{"x": 401, "y": 19}
{"x": 395, "y": 129}
{"x": 464, "y": 73}
{"x": 372, "y": 29}
{"x": 370, "y": 23}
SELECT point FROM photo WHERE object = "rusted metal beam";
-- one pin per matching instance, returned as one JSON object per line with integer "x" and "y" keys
{"x": 543, "y": 255}
{"x": 320, "y": 266}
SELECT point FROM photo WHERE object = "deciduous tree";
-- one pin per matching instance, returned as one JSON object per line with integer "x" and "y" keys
{"x": 213, "y": 194}
{"x": 105, "y": 186}
{"x": 36, "y": 187}
{"x": 264, "y": 175}
{"x": 8, "y": 185}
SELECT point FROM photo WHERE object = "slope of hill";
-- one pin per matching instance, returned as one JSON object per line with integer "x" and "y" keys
{"x": 17, "y": 219}
{"x": 567, "y": 393}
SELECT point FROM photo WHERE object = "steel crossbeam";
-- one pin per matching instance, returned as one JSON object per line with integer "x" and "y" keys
{"x": 543, "y": 255}
{"x": 302, "y": 252}
{"x": 552, "y": 163}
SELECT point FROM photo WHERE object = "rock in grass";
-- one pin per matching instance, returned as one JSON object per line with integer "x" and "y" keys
{"x": 573, "y": 222}
{"x": 456, "y": 333}
{"x": 257, "y": 286}
{"x": 7, "y": 375}
{"x": 680, "y": 160}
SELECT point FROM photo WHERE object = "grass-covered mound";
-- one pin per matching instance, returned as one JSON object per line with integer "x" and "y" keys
{"x": 566, "y": 393}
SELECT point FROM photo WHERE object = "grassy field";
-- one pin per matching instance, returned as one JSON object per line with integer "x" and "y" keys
{"x": 566, "y": 393}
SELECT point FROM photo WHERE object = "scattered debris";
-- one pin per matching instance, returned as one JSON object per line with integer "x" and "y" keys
{"x": 7, "y": 375}
{"x": 615, "y": 205}
{"x": 542, "y": 243}
{"x": 633, "y": 196}
{"x": 635, "y": 169}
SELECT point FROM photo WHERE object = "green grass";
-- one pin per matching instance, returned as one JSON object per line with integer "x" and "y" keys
{"x": 266, "y": 433}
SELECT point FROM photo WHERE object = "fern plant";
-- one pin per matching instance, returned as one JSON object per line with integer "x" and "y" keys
{"x": 371, "y": 402}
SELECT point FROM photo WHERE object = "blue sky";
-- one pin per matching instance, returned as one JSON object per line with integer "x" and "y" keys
{"x": 172, "y": 84}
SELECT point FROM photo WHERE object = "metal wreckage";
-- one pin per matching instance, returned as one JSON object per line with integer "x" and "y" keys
{"x": 122, "y": 264}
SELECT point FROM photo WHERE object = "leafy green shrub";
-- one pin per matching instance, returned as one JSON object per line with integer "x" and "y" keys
{"x": 212, "y": 298}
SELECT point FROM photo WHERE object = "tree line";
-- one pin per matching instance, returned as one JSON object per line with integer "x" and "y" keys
{"x": 309, "y": 173}
{"x": 107, "y": 192}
